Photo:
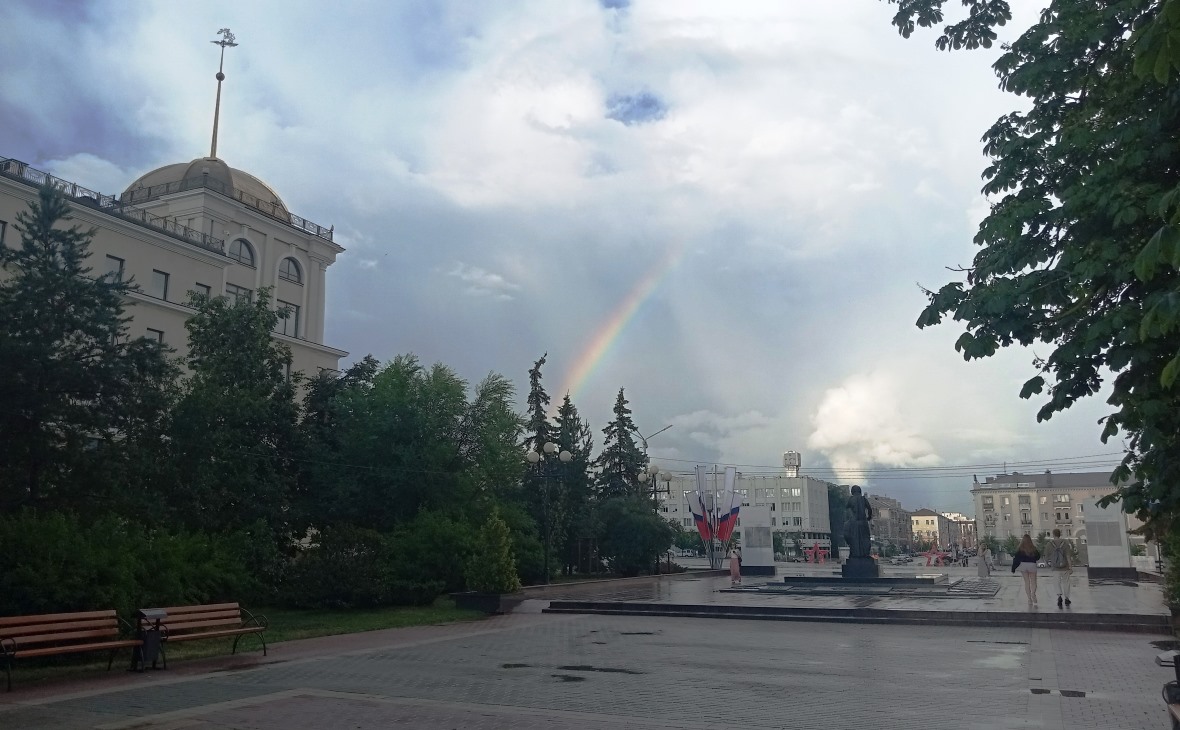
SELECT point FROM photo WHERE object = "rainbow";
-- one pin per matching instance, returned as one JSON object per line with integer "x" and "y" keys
{"x": 608, "y": 332}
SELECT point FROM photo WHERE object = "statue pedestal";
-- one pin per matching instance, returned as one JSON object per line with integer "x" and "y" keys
{"x": 860, "y": 568}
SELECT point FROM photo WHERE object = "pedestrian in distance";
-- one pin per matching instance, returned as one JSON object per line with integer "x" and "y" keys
{"x": 983, "y": 566}
{"x": 735, "y": 567}
{"x": 989, "y": 558}
{"x": 1061, "y": 560}
{"x": 1025, "y": 560}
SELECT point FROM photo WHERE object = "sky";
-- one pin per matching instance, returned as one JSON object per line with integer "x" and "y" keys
{"x": 726, "y": 209}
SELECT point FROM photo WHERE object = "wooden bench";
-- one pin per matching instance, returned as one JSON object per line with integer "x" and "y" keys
{"x": 189, "y": 623}
{"x": 60, "y": 633}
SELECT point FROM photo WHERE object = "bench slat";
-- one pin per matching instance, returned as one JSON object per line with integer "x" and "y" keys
{"x": 50, "y": 650}
{"x": 43, "y": 628}
{"x": 182, "y": 610}
{"x": 64, "y": 636}
{"x": 194, "y": 625}
{"x": 46, "y": 618}
{"x": 188, "y": 618}
{"x": 215, "y": 634}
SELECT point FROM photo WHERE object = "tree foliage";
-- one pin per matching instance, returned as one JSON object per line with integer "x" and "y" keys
{"x": 621, "y": 460}
{"x": 1081, "y": 249}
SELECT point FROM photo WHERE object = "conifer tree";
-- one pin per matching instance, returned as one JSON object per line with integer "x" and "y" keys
{"x": 77, "y": 393}
{"x": 621, "y": 460}
{"x": 574, "y": 435}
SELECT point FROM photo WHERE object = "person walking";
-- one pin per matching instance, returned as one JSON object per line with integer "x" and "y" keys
{"x": 735, "y": 567}
{"x": 1061, "y": 560}
{"x": 1025, "y": 560}
{"x": 989, "y": 558}
{"x": 983, "y": 566}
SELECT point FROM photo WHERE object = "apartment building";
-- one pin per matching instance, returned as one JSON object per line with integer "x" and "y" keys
{"x": 1015, "y": 504}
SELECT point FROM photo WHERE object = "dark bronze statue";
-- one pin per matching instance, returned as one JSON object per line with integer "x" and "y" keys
{"x": 856, "y": 525}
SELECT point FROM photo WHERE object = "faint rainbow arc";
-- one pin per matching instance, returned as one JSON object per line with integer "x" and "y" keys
{"x": 607, "y": 333}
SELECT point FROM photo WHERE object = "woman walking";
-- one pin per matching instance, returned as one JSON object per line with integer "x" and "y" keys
{"x": 735, "y": 567}
{"x": 1061, "y": 561}
{"x": 1025, "y": 560}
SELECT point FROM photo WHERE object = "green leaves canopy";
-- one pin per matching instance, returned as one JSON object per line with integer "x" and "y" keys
{"x": 1081, "y": 250}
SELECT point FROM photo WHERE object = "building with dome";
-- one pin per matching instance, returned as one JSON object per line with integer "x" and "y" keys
{"x": 199, "y": 226}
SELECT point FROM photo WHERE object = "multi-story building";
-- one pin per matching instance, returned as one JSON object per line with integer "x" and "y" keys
{"x": 798, "y": 505}
{"x": 933, "y": 527}
{"x": 202, "y": 227}
{"x": 1017, "y": 504}
{"x": 962, "y": 530}
{"x": 891, "y": 524}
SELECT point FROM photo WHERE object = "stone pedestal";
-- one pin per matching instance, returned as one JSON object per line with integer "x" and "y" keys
{"x": 860, "y": 568}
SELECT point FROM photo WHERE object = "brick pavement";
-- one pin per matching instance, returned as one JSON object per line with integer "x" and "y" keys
{"x": 534, "y": 671}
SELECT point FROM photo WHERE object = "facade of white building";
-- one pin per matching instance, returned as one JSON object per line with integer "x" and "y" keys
{"x": 798, "y": 505}
{"x": 1016, "y": 504}
{"x": 199, "y": 226}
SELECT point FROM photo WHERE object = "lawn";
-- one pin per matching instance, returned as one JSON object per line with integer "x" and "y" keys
{"x": 284, "y": 624}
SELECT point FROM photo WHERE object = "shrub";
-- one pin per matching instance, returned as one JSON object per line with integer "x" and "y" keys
{"x": 414, "y": 593}
{"x": 432, "y": 549}
{"x": 527, "y": 548}
{"x": 633, "y": 534}
{"x": 492, "y": 569}
{"x": 346, "y": 567}
{"x": 67, "y": 565}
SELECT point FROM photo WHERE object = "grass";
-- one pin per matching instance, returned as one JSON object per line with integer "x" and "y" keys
{"x": 284, "y": 624}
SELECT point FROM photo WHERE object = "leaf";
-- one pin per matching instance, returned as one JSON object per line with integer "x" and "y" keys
{"x": 1171, "y": 370}
{"x": 1032, "y": 387}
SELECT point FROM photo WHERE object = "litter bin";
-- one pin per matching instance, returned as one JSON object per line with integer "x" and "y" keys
{"x": 148, "y": 631}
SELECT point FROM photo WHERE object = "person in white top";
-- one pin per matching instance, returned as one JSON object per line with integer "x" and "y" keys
{"x": 735, "y": 567}
{"x": 1061, "y": 561}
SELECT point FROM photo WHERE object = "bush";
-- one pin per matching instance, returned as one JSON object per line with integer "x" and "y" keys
{"x": 527, "y": 548}
{"x": 346, "y": 567}
{"x": 414, "y": 593}
{"x": 432, "y": 549}
{"x": 633, "y": 534}
{"x": 67, "y": 565}
{"x": 492, "y": 569}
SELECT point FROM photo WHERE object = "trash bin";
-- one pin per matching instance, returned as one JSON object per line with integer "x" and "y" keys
{"x": 148, "y": 631}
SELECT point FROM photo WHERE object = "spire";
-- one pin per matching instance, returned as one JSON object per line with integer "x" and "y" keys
{"x": 227, "y": 40}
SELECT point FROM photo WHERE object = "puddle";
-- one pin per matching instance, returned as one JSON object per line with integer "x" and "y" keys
{"x": 1000, "y": 661}
{"x": 637, "y": 633}
{"x": 568, "y": 678}
{"x": 1071, "y": 693}
{"x": 589, "y": 668}
{"x": 514, "y": 666}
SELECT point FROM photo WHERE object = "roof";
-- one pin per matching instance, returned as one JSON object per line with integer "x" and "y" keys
{"x": 211, "y": 170}
{"x": 925, "y": 512}
{"x": 1049, "y": 480}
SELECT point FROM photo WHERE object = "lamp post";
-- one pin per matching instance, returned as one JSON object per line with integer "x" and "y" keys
{"x": 547, "y": 468}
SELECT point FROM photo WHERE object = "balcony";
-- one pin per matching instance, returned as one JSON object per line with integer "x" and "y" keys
{"x": 21, "y": 172}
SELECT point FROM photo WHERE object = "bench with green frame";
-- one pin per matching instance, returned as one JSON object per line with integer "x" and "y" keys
{"x": 189, "y": 623}
{"x": 24, "y": 637}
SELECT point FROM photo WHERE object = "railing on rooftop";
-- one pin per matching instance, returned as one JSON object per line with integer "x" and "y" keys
{"x": 271, "y": 209}
{"x": 17, "y": 170}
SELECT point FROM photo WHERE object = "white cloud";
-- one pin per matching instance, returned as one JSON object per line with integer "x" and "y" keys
{"x": 483, "y": 283}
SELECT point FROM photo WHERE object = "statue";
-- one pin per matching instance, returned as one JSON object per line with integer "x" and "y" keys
{"x": 856, "y": 525}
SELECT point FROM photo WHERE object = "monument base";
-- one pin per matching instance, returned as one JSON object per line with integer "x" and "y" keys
{"x": 860, "y": 568}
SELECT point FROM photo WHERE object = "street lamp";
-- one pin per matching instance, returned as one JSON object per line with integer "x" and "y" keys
{"x": 547, "y": 470}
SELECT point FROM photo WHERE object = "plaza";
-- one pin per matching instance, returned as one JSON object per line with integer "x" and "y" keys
{"x": 532, "y": 670}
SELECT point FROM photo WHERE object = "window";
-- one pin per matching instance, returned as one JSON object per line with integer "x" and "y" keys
{"x": 290, "y": 325}
{"x": 240, "y": 251}
{"x": 797, "y": 521}
{"x": 115, "y": 268}
{"x": 1061, "y": 499}
{"x": 1080, "y": 505}
{"x": 1007, "y": 500}
{"x": 203, "y": 289}
{"x": 238, "y": 293}
{"x": 3, "y": 229}
{"x": 1045, "y": 516}
{"x": 289, "y": 271}
{"x": 1044, "y": 500}
{"x": 772, "y": 523}
{"x": 157, "y": 335}
{"x": 159, "y": 288}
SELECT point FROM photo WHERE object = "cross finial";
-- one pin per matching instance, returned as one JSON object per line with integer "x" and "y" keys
{"x": 227, "y": 41}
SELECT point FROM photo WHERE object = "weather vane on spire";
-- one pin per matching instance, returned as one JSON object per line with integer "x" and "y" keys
{"x": 227, "y": 41}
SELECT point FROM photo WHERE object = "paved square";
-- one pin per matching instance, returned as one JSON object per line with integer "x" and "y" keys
{"x": 534, "y": 671}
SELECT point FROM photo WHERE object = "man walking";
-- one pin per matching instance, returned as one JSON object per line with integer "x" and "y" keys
{"x": 1061, "y": 560}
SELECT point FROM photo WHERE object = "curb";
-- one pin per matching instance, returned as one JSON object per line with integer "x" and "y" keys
{"x": 1128, "y": 623}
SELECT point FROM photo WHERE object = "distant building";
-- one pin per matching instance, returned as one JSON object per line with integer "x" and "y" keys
{"x": 891, "y": 524}
{"x": 1011, "y": 505}
{"x": 798, "y": 505}
{"x": 963, "y": 531}
{"x": 933, "y": 527}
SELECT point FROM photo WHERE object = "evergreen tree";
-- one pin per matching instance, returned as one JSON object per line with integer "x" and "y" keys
{"x": 538, "y": 430}
{"x": 77, "y": 394}
{"x": 621, "y": 460}
{"x": 492, "y": 569}
{"x": 574, "y": 435}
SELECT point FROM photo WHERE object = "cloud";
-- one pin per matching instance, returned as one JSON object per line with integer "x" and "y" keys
{"x": 483, "y": 283}
{"x": 631, "y": 109}
{"x": 862, "y": 423}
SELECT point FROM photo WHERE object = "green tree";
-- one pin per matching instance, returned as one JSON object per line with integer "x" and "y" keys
{"x": 1011, "y": 544}
{"x": 621, "y": 460}
{"x": 574, "y": 435}
{"x": 1081, "y": 249}
{"x": 633, "y": 535}
{"x": 544, "y": 481}
{"x": 492, "y": 568}
{"x": 78, "y": 394}
{"x": 837, "y": 506}
{"x": 234, "y": 429}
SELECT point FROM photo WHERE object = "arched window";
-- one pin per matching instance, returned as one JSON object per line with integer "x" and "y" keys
{"x": 289, "y": 271}
{"x": 240, "y": 251}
